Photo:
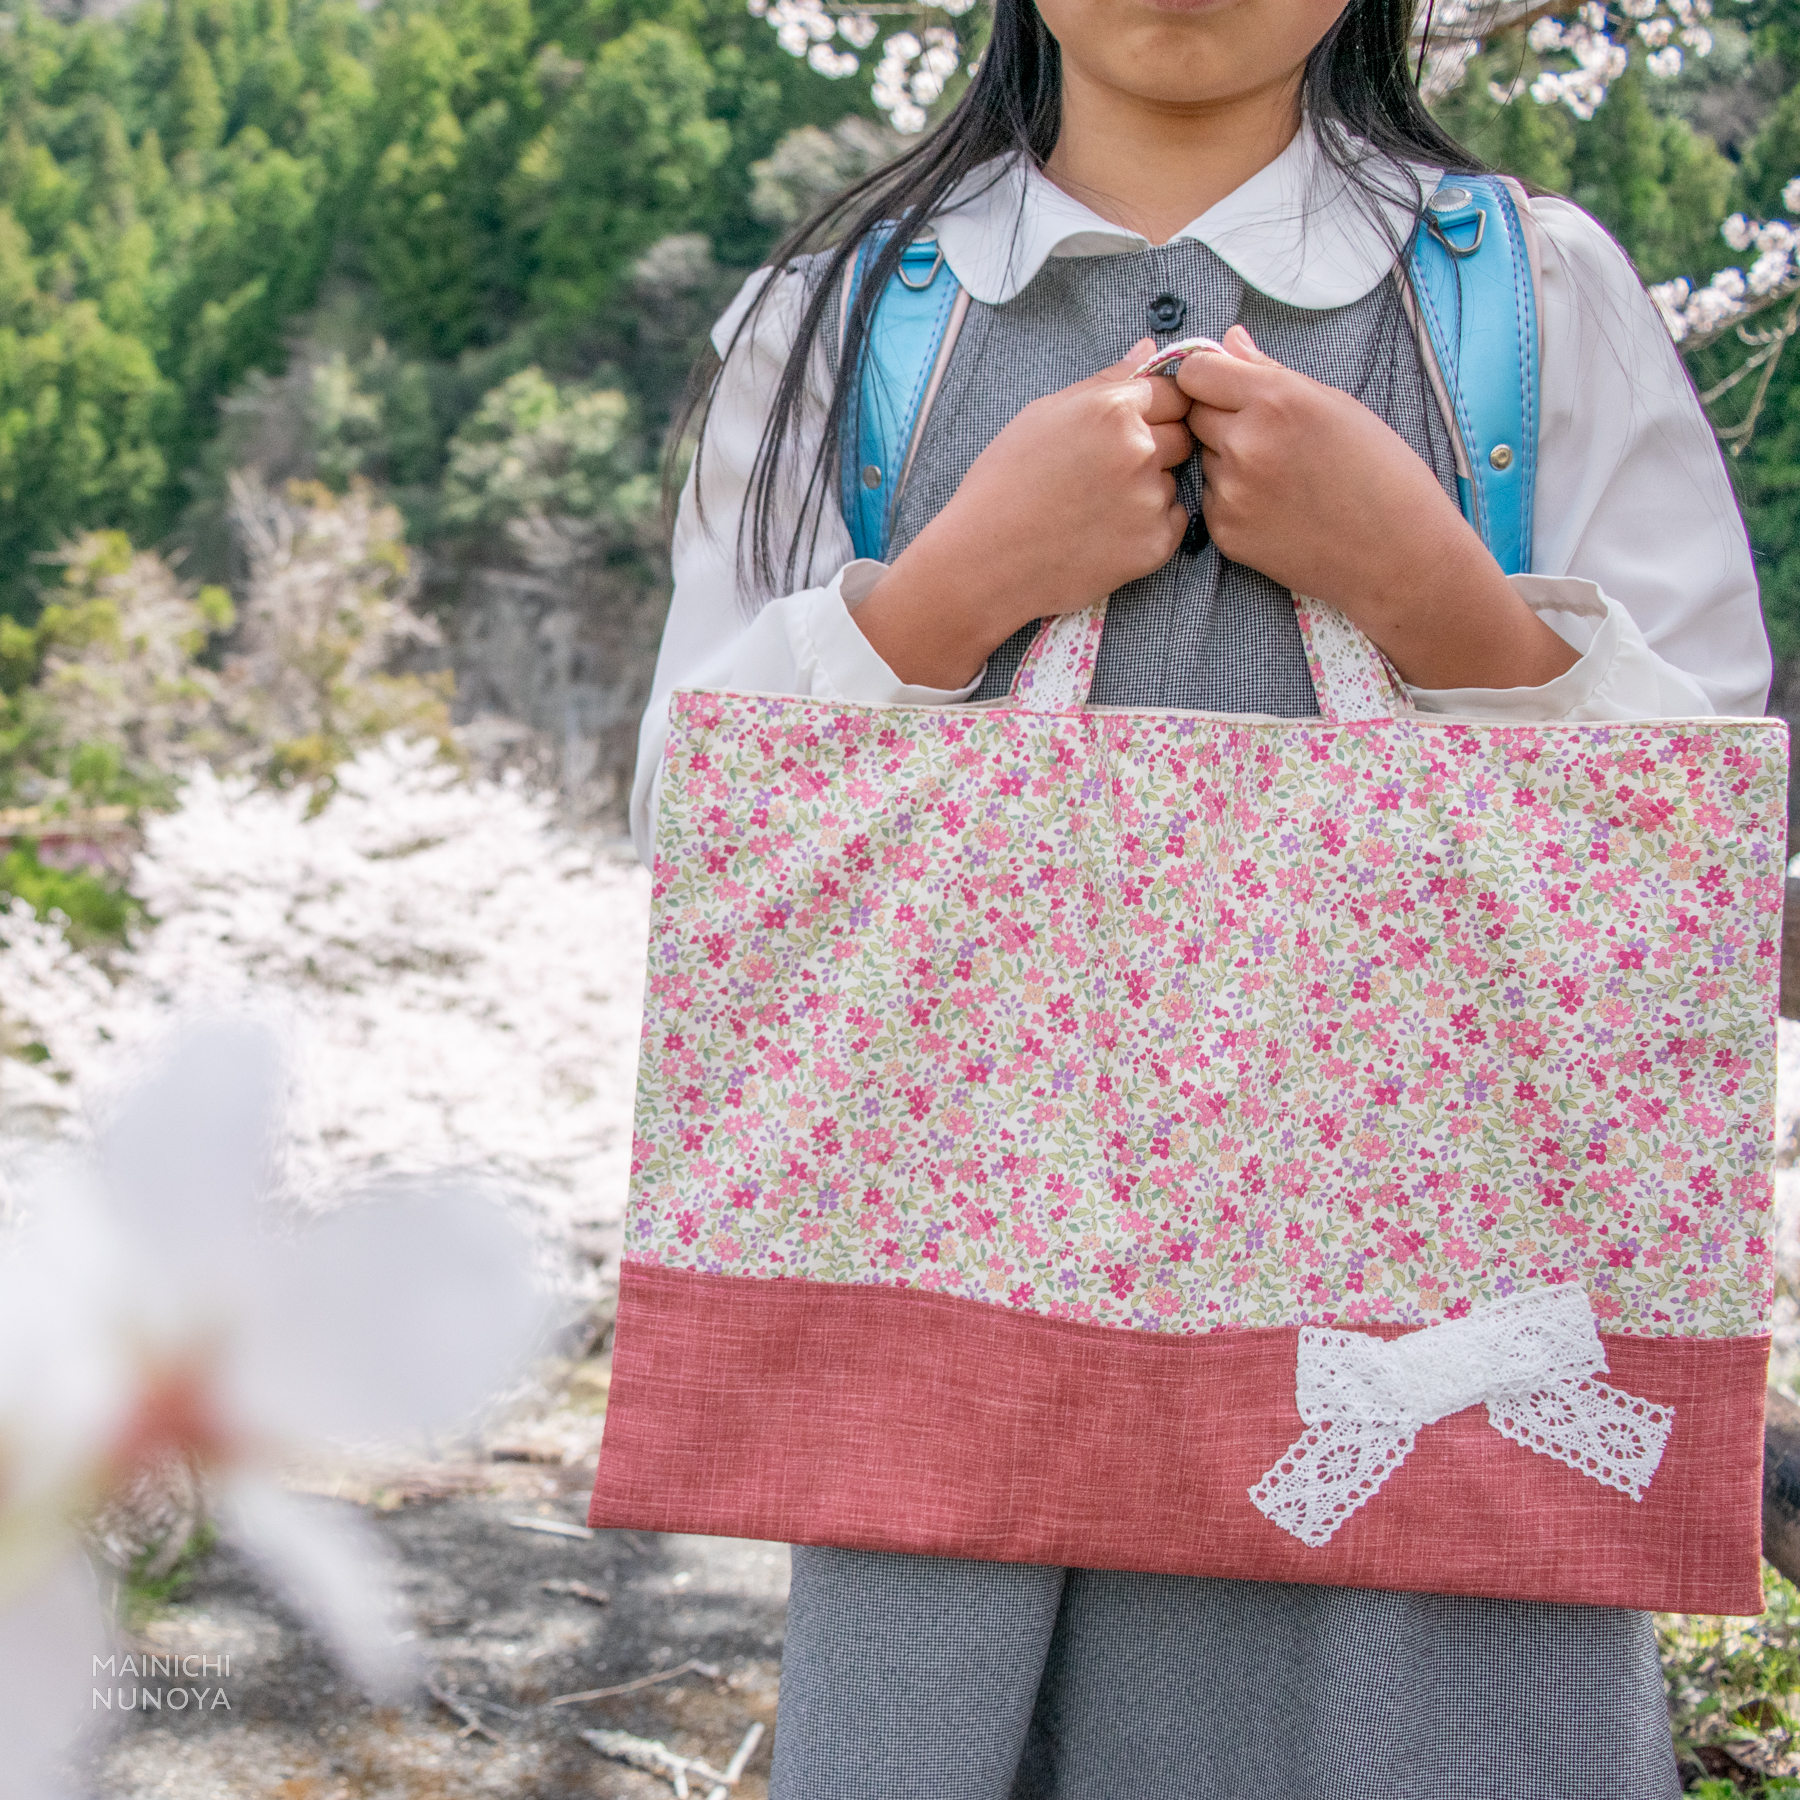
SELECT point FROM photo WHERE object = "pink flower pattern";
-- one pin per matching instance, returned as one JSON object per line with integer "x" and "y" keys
{"x": 1186, "y": 1023}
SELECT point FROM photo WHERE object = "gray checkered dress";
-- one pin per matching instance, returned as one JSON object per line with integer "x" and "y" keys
{"x": 908, "y": 1678}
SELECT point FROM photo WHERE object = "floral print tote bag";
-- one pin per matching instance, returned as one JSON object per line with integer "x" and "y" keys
{"x": 1331, "y": 1150}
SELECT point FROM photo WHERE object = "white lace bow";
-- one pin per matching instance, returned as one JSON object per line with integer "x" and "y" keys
{"x": 1530, "y": 1360}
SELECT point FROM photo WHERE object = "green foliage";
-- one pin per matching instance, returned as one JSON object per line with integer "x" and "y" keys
{"x": 163, "y": 180}
{"x": 627, "y": 163}
{"x": 1656, "y": 186}
{"x": 1768, "y": 476}
{"x": 176, "y": 182}
{"x": 149, "y": 1587}
{"x": 1735, "y": 1683}
{"x": 82, "y": 408}
{"x": 455, "y": 102}
{"x": 1768, "y": 470}
{"x": 98, "y": 910}
{"x": 532, "y": 449}
{"x": 1771, "y": 160}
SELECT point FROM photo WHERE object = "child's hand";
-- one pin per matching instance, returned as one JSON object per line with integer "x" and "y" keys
{"x": 1306, "y": 484}
{"x": 1071, "y": 500}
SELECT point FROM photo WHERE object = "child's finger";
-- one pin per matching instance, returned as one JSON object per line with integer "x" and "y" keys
{"x": 1162, "y": 400}
{"x": 1174, "y": 444}
{"x": 1239, "y": 343}
{"x": 1127, "y": 365}
{"x": 1228, "y": 381}
{"x": 1211, "y": 425}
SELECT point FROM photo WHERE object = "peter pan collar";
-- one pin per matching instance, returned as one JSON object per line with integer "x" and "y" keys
{"x": 1297, "y": 230}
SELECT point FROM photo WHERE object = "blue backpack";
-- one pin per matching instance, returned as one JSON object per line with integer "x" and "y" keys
{"x": 1471, "y": 280}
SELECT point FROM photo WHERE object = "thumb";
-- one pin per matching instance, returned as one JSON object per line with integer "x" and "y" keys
{"x": 1128, "y": 364}
{"x": 1239, "y": 343}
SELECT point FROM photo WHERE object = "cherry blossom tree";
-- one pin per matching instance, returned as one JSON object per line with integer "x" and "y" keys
{"x": 915, "y": 64}
{"x": 1583, "y": 45}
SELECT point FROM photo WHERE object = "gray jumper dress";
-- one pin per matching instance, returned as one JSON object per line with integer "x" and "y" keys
{"x": 909, "y": 1678}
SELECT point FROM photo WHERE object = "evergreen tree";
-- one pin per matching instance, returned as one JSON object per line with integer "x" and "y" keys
{"x": 626, "y": 163}
{"x": 194, "y": 113}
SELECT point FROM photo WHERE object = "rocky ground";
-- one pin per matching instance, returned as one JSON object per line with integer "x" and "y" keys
{"x": 508, "y": 1619}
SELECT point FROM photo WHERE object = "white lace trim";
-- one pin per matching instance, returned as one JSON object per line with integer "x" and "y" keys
{"x": 1597, "y": 1430}
{"x": 1351, "y": 676}
{"x": 1530, "y": 1360}
{"x": 1058, "y": 669}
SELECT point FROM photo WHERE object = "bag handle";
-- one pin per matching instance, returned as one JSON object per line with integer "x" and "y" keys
{"x": 1352, "y": 679}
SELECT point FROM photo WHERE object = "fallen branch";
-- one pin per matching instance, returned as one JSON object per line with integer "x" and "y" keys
{"x": 550, "y": 1527}
{"x": 576, "y": 1590}
{"x": 644, "y": 1753}
{"x": 691, "y": 1667}
{"x": 740, "y": 1760}
{"x": 450, "y": 1702}
{"x": 659, "y": 1759}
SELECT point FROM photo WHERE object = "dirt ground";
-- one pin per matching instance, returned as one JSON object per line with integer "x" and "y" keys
{"x": 494, "y": 1637}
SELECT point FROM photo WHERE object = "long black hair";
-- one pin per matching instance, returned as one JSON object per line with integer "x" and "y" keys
{"x": 1359, "y": 100}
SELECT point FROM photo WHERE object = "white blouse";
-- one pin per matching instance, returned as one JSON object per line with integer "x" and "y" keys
{"x": 1640, "y": 559}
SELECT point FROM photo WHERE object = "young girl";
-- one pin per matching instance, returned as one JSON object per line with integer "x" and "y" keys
{"x": 1122, "y": 173}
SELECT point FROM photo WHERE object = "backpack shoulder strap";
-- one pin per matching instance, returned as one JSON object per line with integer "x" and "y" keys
{"x": 911, "y": 334}
{"x": 1471, "y": 278}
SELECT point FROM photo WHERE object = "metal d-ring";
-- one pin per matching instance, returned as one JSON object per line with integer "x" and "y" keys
{"x": 937, "y": 262}
{"x": 1459, "y": 251}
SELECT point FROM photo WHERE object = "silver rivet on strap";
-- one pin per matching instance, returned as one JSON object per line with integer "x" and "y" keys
{"x": 1501, "y": 456}
{"x": 872, "y": 475}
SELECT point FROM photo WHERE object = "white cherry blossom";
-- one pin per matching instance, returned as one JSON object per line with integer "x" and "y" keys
{"x": 832, "y": 63}
{"x": 157, "y": 1301}
{"x": 913, "y": 70}
{"x": 1599, "y": 44}
{"x": 1696, "y": 314}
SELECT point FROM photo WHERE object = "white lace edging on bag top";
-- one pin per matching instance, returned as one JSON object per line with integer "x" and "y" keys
{"x": 1058, "y": 669}
{"x": 1351, "y": 676}
{"x": 1530, "y": 1359}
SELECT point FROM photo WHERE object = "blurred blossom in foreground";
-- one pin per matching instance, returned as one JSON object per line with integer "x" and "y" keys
{"x": 154, "y": 1304}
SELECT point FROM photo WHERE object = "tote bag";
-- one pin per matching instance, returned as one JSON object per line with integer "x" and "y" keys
{"x": 1332, "y": 1150}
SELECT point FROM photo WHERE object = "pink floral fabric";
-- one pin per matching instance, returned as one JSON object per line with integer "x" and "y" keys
{"x": 1185, "y": 1023}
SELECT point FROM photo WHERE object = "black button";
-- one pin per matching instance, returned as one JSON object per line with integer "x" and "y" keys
{"x": 1167, "y": 312}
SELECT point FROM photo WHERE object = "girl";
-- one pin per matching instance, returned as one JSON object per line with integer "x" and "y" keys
{"x": 1250, "y": 170}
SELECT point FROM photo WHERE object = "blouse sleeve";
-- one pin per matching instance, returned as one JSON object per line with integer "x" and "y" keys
{"x": 1640, "y": 559}
{"x": 802, "y": 643}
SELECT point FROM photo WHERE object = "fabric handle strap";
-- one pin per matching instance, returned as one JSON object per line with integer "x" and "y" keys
{"x": 1352, "y": 679}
